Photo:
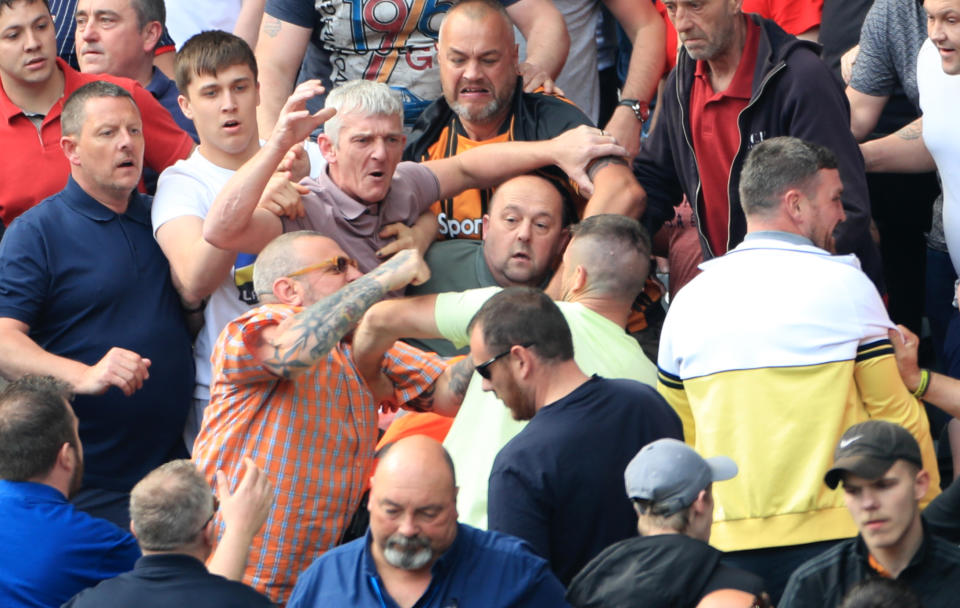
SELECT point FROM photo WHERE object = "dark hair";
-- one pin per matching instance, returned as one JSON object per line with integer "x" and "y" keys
{"x": 524, "y": 315}
{"x": 880, "y": 593}
{"x": 777, "y": 165}
{"x": 74, "y": 110}
{"x": 209, "y": 52}
{"x": 149, "y": 10}
{"x": 35, "y": 422}
{"x": 9, "y": 3}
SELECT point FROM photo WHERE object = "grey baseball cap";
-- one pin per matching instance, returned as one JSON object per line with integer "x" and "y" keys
{"x": 870, "y": 448}
{"x": 670, "y": 474}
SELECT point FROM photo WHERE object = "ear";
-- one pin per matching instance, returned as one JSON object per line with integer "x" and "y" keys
{"x": 70, "y": 145}
{"x": 523, "y": 360}
{"x": 485, "y": 225}
{"x": 288, "y": 291}
{"x": 133, "y": 529}
{"x": 579, "y": 278}
{"x": 921, "y": 484}
{"x": 151, "y": 36}
{"x": 67, "y": 458}
{"x": 327, "y": 149}
{"x": 793, "y": 202}
{"x": 515, "y": 57}
{"x": 184, "y": 102}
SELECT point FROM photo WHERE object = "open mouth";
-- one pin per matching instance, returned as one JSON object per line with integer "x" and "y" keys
{"x": 474, "y": 91}
{"x": 376, "y": 174}
{"x": 126, "y": 164}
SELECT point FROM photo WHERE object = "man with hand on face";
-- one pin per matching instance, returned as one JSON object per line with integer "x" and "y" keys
{"x": 416, "y": 554}
{"x": 779, "y": 336}
{"x": 881, "y": 470}
{"x": 85, "y": 296}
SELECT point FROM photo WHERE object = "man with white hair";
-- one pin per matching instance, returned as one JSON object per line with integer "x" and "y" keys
{"x": 366, "y": 186}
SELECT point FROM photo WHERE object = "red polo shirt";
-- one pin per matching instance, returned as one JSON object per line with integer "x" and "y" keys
{"x": 794, "y": 16}
{"x": 716, "y": 137}
{"x": 32, "y": 164}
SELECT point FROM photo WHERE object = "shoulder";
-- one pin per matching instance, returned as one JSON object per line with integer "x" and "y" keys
{"x": 830, "y": 560}
{"x": 551, "y": 115}
{"x": 498, "y": 547}
{"x": 329, "y": 573}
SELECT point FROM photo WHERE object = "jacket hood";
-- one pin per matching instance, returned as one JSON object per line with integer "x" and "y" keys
{"x": 663, "y": 571}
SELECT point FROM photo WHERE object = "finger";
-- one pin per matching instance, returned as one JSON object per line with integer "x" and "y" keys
{"x": 611, "y": 149}
{"x": 300, "y": 188}
{"x": 533, "y": 84}
{"x": 390, "y": 230}
{"x": 389, "y": 249}
{"x": 223, "y": 486}
{"x": 582, "y": 181}
{"x": 122, "y": 383}
{"x": 324, "y": 115}
{"x": 557, "y": 90}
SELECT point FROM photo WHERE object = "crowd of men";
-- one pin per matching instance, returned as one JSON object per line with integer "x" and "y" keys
{"x": 405, "y": 327}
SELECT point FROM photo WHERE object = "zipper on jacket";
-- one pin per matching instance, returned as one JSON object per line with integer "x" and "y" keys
{"x": 694, "y": 204}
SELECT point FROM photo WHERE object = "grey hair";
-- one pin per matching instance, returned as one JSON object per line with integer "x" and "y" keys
{"x": 277, "y": 259}
{"x": 370, "y": 98}
{"x": 74, "y": 109}
{"x": 777, "y": 165}
{"x": 169, "y": 506}
{"x": 149, "y": 10}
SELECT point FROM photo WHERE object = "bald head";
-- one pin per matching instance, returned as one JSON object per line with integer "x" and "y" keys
{"x": 413, "y": 505}
{"x": 287, "y": 254}
{"x": 490, "y": 12}
{"x": 728, "y": 598}
{"x": 418, "y": 458}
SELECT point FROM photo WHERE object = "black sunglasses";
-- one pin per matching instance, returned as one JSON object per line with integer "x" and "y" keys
{"x": 484, "y": 368}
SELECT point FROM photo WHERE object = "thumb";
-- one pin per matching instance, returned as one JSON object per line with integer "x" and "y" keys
{"x": 389, "y": 230}
{"x": 223, "y": 486}
{"x": 582, "y": 181}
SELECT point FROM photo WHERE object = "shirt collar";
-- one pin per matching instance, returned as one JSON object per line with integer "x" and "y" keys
{"x": 9, "y": 110}
{"x": 77, "y": 198}
{"x": 33, "y": 490}
{"x": 778, "y": 235}
{"x": 159, "y": 84}
{"x": 348, "y": 207}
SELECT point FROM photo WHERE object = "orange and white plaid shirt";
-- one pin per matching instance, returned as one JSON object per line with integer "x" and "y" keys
{"x": 314, "y": 436}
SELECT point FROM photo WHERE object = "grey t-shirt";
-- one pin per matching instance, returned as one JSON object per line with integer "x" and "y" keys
{"x": 892, "y": 34}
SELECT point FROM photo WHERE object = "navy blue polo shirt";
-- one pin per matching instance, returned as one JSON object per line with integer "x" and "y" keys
{"x": 85, "y": 279}
{"x": 479, "y": 569}
{"x": 51, "y": 550}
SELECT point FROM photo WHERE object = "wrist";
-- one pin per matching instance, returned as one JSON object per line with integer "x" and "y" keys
{"x": 922, "y": 384}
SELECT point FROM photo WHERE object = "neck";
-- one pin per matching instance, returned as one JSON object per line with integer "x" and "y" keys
{"x": 756, "y": 223}
{"x": 558, "y": 380}
{"x": 724, "y": 65}
{"x": 606, "y": 307}
{"x": 197, "y": 553}
{"x": 59, "y": 482}
{"x": 896, "y": 558}
{"x": 225, "y": 160}
{"x": 111, "y": 199}
{"x": 145, "y": 74}
{"x": 35, "y": 98}
{"x": 488, "y": 129}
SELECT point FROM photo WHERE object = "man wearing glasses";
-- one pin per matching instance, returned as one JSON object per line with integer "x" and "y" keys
{"x": 287, "y": 394}
{"x": 557, "y": 484}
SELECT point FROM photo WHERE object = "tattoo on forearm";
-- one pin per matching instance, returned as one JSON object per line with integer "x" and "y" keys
{"x": 460, "y": 375}
{"x": 424, "y": 401}
{"x": 271, "y": 27}
{"x": 318, "y": 328}
{"x": 449, "y": 388}
{"x": 599, "y": 163}
{"x": 911, "y": 131}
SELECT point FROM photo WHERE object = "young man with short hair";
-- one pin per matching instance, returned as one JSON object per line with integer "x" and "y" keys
{"x": 880, "y": 467}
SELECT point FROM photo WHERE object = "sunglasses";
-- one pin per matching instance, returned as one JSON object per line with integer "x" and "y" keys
{"x": 216, "y": 507}
{"x": 336, "y": 265}
{"x": 484, "y": 368}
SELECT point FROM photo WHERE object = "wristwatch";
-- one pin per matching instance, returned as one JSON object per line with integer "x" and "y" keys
{"x": 640, "y": 108}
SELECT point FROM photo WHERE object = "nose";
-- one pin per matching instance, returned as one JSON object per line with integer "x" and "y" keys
{"x": 472, "y": 70}
{"x": 486, "y": 385}
{"x": 379, "y": 149}
{"x": 87, "y": 31}
{"x": 525, "y": 231}
{"x": 869, "y": 499}
{"x": 408, "y": 527}
{"x": 229, "y": 101}
{"x": 934, "y": 30}
{"x": 681, "y": 20}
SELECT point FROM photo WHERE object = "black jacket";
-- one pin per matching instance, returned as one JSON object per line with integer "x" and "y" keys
{"x": 662, "y": 571}
{"x": 933, "y": 574}
{"x": 793, "y": 94}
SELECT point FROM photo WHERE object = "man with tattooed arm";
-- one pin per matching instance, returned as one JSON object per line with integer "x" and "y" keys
{"x": 286, "y": 393}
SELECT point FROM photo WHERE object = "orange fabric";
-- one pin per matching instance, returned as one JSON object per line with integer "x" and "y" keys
{"x": 417, "y": 423}
{"x": 313, "y": 436}
{"x": 878, "y": 567}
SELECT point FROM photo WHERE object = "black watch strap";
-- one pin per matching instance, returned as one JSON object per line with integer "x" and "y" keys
{"x": 640, "y": 108}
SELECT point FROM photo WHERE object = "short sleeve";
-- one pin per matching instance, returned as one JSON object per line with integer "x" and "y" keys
{"x": 178, "y": 194}
{"x": 234, "y": 362}
{"x": 423, "y": 184}
{"x": 411, "y": 370}
{"x": 874, "y": 72}
{"x": 454, "y": 311}
{"x": 164, "y": 142}
{"x": 297, "y": 12}
{"x": 24, "y": 272}
{"x": 518, "y": 508}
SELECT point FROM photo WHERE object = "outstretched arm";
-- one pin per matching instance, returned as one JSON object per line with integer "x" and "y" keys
{"x": 548, "y": 42}
{"x": 490, "y": 165}
{"x": 280, "y": 48}
{"x": 235, "y": 222}
{"x": 900, "y": 152}
{"x": 296, "y": 344}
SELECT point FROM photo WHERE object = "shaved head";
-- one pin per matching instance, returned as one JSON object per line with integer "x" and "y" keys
{"x": 417, "y": 457}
